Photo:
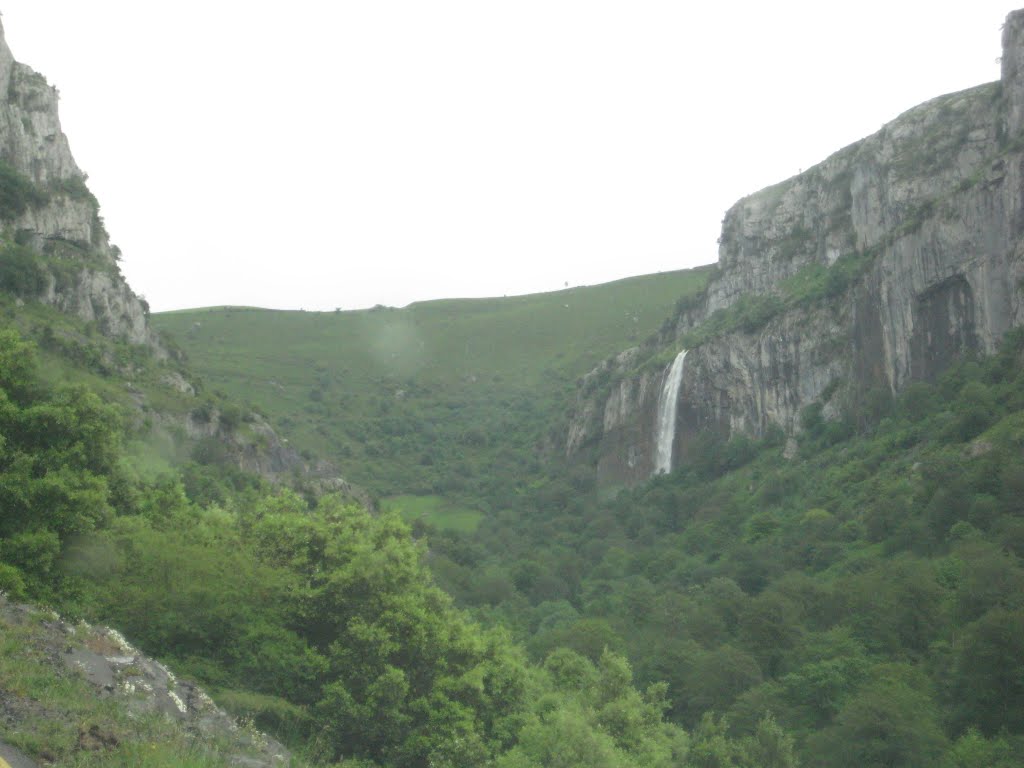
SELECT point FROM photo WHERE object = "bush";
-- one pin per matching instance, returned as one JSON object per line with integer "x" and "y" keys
{"x": 75, "y": 188}
{"x": 20, "y": 271}
{"x": 11, "y": 582}
{"x": 17, "y": 193}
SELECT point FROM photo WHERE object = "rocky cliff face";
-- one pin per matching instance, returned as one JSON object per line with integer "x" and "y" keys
{"x": 875, "y": 268}
{"x": 46, "y": 208}
{"x": 30, "y": 136}
{"x": 61, "y": 218}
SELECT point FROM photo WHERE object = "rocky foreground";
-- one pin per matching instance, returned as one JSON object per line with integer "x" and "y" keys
{"x": 55, "y": 649}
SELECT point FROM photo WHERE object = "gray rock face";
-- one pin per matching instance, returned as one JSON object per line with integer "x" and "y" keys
{"x": 106, "y": 299}
{"x": 925, "y": 220}
{"x": 627, "y": 428}
{"x": 1012, "y": 74}
{"x": 256, "y": 448}
{"x": 31, "y": 139}
{"x": 140, "y": 684}
{"x": 84, "y": 280}
{"x": 33, "y": 144}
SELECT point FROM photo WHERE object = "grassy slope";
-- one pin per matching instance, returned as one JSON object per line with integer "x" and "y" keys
{"x": 435, "y": 511}
{"x": 73, "y": 352}
{"x": 417, "y": 387}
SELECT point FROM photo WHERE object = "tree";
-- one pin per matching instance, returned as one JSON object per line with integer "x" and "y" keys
{"x": 988, "y": 675}
{"x": 713, "y": 680}
{"x": 887, "y": 723}
{"x": 768, "y": 628}
{"x": 769, "y": 747}
{"x": 896, "y": 607}
{"x": 972, "y": 750}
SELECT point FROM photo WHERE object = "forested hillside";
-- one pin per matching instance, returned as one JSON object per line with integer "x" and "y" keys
{"x": 320, "y": 621}
{"x": 864, "y": 594}
{"x": 867, "y": 592}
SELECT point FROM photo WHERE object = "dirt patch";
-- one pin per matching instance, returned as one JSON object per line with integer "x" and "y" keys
{"x": 96, "y": 739}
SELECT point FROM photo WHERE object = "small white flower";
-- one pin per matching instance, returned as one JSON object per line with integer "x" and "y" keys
{"x": 178, "y": 702}
{"x": 118, "y": 638}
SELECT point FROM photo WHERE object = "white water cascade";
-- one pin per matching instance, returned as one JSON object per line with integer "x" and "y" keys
{"x": 665, "y": 422}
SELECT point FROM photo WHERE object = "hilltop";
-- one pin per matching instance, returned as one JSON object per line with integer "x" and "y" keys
{"x": 451, "y": 397}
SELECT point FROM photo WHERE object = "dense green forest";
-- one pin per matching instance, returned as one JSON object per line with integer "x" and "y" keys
{"x": 868, "y": 593}
{"x": 865, "y": 593}
{"x": 318, "y": 619}
{"x": 857, "y": 605}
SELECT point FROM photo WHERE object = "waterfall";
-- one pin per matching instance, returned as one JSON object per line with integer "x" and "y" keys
{"x": 665, "y": 422}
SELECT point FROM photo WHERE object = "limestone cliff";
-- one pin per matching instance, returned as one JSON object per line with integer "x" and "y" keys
{"x": 56, "y": 214}
{"x": 873, "y": 269}
{"x": 49, "y": 217}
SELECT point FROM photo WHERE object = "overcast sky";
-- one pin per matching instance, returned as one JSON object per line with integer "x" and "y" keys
{"x": 318, "y": 155}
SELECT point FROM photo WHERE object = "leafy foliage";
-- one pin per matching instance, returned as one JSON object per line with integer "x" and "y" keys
{"x": 321, "y": 620}
{"x": 17, "y": 193}
{"x": 20, "y": 271}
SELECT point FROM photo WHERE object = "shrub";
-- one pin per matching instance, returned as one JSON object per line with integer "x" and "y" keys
{"x": 17, "y": 193}
{"x": 20, "y": 271}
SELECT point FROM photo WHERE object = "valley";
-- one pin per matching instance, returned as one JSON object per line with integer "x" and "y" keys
{"x": 761, "y": 514}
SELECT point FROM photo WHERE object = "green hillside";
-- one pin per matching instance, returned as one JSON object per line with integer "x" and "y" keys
{"x": 859, "y": 604}
{"x": 868, "y": 592}
{"x": 315, "y": 620}
{"x": 447, "y": 397}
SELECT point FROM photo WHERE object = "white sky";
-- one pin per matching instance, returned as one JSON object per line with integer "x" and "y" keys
{"x": 343, "y": 154}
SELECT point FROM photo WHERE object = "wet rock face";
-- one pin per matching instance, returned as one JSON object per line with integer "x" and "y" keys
{"x": 931, "y": 209}
{"x": 628, "y": 429}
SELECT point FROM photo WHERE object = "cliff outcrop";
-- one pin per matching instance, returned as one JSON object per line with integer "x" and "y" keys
{"x": 876, "y": 268}
{"x": 49, "y": 208}
{"x": 119, "y": 673}
{"x": 54, "y": 249}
